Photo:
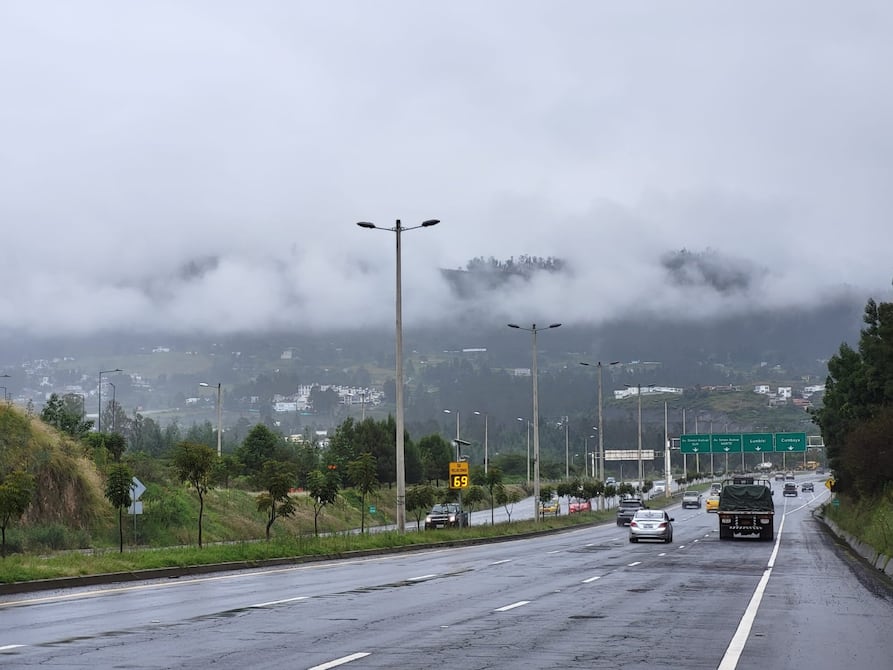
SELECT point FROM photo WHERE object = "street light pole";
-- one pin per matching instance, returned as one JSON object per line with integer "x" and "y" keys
{"x": 601, "y": 439}
{"x": 528, "y": 448}
{"x": 114, "y": 408}
{"x": 536, "y": 416}
{"x": 567, "y": 450}
{"x": 486, "y": 453}
{"x": 450, "y": 411}
{"x": 219, "y": 427}
{"x": 99, "y": 416}
{"x": 399, "y": 439}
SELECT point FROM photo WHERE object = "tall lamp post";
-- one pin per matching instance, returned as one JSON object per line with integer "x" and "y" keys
{"x": 601, "y": 440}
{"x": 567, "y": 448}
{"x": 641, "y": 473}
{"x": 528, "y": 448}
{"x": 451, "y": 411}
{"x": 219, "y": 407}
{"x": 401, "y": 464}
{"x": 99, "y": 416}
{"x": 533, "y": 330}
{"x": 114, "y": 407}
{"x": 486, "y": 454}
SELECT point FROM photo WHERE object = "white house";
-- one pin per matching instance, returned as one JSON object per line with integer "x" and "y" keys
{"x": 762, "y": 389}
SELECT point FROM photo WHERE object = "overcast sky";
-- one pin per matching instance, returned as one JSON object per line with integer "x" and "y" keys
{"x": 184, "y": 165}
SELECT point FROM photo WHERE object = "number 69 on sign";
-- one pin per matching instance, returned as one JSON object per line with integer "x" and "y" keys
{"x": 459, "y": 481}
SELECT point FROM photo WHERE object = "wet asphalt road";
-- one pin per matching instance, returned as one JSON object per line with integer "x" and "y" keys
{"x": 582, "y": 599}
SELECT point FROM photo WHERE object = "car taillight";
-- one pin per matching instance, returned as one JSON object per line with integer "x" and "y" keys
{"x": 633, "y": 523}
{"x": 663, "y": 524}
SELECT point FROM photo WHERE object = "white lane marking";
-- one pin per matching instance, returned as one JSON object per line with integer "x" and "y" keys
{"x": 739, "y": 639}
{"x": 11, "y": 646}
{"x": 633, "y": 564}
{"x": 422, "y": 578}
{"x": 280, "y": 602}
{"x": 663, "y": 553}
{"x": 341, "y": 661}
{"x": 512, "y": 606}
{"x": 504, "y": 560}
{"x": 591, "y": 579}
{"x": 682, "y": 546}
{"x": 553, "y": 552}
{"x": 591, "y": 544}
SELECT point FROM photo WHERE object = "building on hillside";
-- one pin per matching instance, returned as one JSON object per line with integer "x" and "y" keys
{"x": 762, "y": 389}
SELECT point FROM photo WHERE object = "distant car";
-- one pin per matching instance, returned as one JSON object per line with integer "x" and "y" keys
{"x": 691, "y": 499}
{"x": 577, "y": 505}
{"x": 447, "y": 515}
{"x": 712, "y": 504}
{"x": 610, "y": 481}
{"x": 789, "y": 476}
{"x": 715, "y": 487}
{"x": 820, "y": 471}
{"x": 551, "y": 507}
{"x": 651, "y": 524}
{"x": 627, "y": 510}
{"x": 779, "y": 476}
{"x": 790, "y": 489}
{"x": 807, "y": 486}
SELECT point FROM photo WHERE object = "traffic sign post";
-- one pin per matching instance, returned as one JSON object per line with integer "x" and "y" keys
{"x": 790, "y": 442}
{"x": 724, "y": 443}
{"x": 459, "y": 478}
{"x": 694, "y": 444}
{"x": 757, "y": 442}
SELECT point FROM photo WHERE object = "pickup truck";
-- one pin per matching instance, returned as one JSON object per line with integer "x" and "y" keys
{"x": 446, "y": 515}
{"x": 746, "y": 508}
{"x": 627, "y": 509}
{"x": 691, "y": 499}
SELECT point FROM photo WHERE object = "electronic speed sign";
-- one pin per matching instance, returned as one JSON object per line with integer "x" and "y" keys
{"x": 459, "y": 478}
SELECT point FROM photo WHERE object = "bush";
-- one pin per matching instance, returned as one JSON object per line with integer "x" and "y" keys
{"x": 55, "y": 537}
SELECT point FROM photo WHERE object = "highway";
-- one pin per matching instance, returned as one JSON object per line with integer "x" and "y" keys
{"x": 583, "y": 598}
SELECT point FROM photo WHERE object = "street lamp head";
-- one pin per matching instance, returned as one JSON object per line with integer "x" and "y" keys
{"x": 205, "y": 384}
{"x": 554, "y": 325}
{"x": 430, "y": 222}
{"x": 365, "y": 224}
{"x": 513, "y": 325}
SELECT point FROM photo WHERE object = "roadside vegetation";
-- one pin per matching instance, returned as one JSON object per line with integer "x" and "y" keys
{"x": 856, "y": 421}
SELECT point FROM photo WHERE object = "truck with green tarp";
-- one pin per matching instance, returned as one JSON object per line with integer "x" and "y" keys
{"x": 746, "y": 508}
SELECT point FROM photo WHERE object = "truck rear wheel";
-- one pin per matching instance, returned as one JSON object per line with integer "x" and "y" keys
{"x": 768, "y": 533}
{"x": 725, "y": 533}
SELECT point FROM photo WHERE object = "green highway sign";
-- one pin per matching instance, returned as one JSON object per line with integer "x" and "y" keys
{"x": 790, "y": 442}
{"x": 694, "y": 444}
{"x": 724, "y": 443}
{"x": 734, "y": 443}
{"x": 757, "y": 442}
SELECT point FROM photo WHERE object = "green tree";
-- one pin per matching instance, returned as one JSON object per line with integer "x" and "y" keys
{"x": 419, "y": 499}
{"x": 473, "y": 496}
{"x": 436, "y": 455}
{"x": 492, "y": 484}
{"x": 194, "y": 464}
{"x": 323, "y": 487}
{"x": 66, "y": 417}
{"x": 858, "y": 388}
{"x": 260, "y": 445}
{"x": 363, "y": 472}
{"x": 117, "y": 490}
{"x": 116, "y": 445}
{"x": 277, "y": 479}
{"x": 16, "y": 490}
{"x": 508, "y": 497}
